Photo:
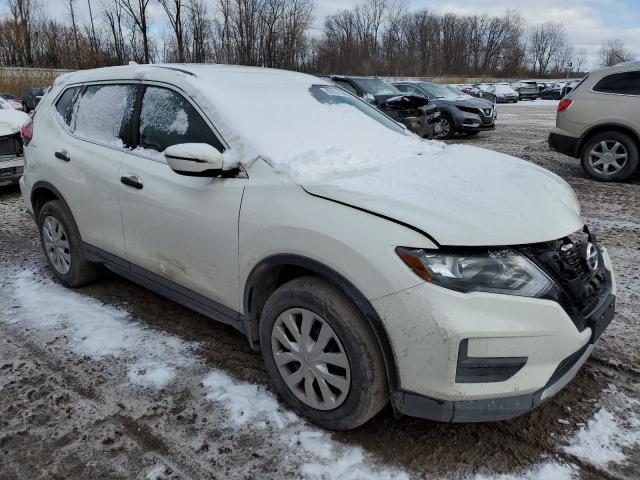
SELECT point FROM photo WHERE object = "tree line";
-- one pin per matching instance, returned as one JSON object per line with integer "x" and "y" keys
{"x": 380, "y": 37}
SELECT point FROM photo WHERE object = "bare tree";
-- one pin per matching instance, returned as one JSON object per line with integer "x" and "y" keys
{"x": 74, "y": 27}
{"x": 612, "y": 52}
{"x": 580, "y": 59}
{"x": 546, "y": 44}
{"x": 136, "y": 10}
{"x": 174, "y": 10}
{"x": 23, "y": 12}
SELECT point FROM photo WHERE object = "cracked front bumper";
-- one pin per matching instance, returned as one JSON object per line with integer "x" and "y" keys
{"x": 427, "y": 324}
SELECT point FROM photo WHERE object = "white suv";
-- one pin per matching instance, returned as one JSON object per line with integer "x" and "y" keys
{"x": 366, "y": 263}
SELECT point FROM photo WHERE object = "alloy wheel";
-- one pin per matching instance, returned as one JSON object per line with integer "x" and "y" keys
{"x": 56, "y": 245}
{"x": 445, "y": 127}
{"x": 608, "y": 157}
{"x": 310, "y": 358}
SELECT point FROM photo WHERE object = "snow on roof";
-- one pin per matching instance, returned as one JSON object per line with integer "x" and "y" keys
{"x": 272, "y": 114}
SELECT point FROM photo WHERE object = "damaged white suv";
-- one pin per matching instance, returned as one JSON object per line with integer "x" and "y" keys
{"x": 366, "y": 263}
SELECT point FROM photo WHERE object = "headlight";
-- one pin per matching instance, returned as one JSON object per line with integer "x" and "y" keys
{"x": 500, "y": 271}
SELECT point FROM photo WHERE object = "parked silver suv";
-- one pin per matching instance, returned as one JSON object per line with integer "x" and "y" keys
{"x": 599, "y": 122}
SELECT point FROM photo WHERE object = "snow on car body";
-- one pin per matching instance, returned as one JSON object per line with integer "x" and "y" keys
{"x": 365, "y": 262}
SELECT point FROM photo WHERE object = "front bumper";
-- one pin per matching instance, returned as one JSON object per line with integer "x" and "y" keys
{"x": 427, "y": 324}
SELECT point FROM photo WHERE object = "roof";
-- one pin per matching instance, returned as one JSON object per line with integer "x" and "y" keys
{"x": 209, "y": 73}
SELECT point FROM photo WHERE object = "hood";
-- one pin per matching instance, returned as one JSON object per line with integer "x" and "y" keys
{"x": 464, "y": 196}
{"x": 465, "y": 102}
{"x": 396, "y": 101}
{"x": 11, "y": 121}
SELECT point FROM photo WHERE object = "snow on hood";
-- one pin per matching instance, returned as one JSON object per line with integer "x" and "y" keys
{"x": 273, "y": 115}
{"x": 464, "y": 196}
{"x": 11, "y": 121}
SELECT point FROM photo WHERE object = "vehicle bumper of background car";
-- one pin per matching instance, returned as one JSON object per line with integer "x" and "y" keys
{"x": 520, "y": 350}
{"x": 563, "y": 143}
{"x": 473, "y": 122}
{"x": 11, "y": 169}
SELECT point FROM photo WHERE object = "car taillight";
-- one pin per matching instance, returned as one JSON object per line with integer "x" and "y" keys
{"x": 564, "y": 104}
{"x": 26, "y": 132}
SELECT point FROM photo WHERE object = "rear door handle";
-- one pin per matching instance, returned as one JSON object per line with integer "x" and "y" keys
{"x": 62, "y": 155}
{"x": 131, "y": 181}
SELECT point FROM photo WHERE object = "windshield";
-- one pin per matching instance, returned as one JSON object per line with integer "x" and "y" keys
{"x": 438, "y": 91}
{"x": 375, "y": 86}
{"x": 305, "y": 127}
{"x": 503, "y": 89}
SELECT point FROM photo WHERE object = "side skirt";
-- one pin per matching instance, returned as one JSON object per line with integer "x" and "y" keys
{"x": 166, "y": 288}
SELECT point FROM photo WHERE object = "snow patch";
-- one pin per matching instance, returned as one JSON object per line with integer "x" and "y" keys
{"x": 614, "y": 428}
{"x": 99, "y": 331}
{"x": 324, "y": 458}
{"x": 544, "y": 471}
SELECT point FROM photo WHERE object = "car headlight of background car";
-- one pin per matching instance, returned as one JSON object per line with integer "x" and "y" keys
{"x": 499, "y": 271}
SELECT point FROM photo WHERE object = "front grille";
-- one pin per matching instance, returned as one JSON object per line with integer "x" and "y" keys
{"x": 581, "y": 287}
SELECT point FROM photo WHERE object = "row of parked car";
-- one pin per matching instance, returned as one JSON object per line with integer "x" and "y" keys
{"x": 427, "y": 109}
{"x": 512, "y": 92}
{"x": 29, "y": 100}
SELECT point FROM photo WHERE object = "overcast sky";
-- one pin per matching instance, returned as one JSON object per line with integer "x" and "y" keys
{"x": 587, "y": 22}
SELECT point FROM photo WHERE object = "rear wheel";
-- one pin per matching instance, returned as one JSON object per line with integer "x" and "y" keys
{"x": 610, "y": 156}
{"x": 321, "y": 355}
{"x": 62, "y": 246}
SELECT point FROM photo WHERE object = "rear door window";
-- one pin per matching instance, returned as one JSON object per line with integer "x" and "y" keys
{"x": 65, "y": 105}
{"x": 104, "y": 113}
{"x": 625, "y": 83}
{"x": 167, "y": 118}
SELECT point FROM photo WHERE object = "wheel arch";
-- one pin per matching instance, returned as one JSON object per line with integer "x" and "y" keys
{"x": 607, "y": 127}
{"x": 43, "y": 192}
{"x": 276, "y": 270}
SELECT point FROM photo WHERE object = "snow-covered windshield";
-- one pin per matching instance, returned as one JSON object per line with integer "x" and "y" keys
{"x": 302, "y": 125}
{"x": 375, "y": 86}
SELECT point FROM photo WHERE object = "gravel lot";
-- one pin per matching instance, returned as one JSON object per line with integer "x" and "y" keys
{"x": 113, "y": 381}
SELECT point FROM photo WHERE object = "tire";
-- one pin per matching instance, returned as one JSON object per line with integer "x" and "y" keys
{"x": 452, "y": 127}
{"x": 609, "y": 168}
{"x": 80, "y": 271}
{"x": 312, "y": 297}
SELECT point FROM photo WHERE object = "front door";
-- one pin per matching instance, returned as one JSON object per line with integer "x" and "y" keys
{"x": 183, "y": 228}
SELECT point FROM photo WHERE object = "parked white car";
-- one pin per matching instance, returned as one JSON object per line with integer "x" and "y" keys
{"x": 366, "y": 263}
{"x": 11, "y": 157}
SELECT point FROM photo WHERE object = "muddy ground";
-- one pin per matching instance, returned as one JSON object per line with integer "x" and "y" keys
{"x": 68, "y": 415}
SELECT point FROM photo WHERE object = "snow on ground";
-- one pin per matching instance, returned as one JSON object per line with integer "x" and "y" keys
{"x": 612, "y": 430}
{"x": 154, "y": 359}
{"x": 531, "y": 103}
{"x": 544, "y": 471}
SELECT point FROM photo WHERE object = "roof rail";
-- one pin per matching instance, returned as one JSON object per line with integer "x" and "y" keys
{"x": 182, "y": 70}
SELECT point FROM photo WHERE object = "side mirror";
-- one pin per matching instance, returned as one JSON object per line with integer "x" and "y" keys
{"x": 194, "y": 159}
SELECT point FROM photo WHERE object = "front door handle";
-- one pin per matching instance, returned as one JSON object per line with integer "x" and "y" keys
{"x": 62, "y": 155}
{"x": 131, "y": 181}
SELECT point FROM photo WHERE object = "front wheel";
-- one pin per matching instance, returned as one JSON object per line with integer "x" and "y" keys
{"x": 447, "y": 127}
{"x": 62, "y": 246}
{"x": 321, "y": 355}
{"x": 610, "y": 156}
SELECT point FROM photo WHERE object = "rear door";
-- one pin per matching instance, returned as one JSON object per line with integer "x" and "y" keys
{"x": 183, "y": 229}
{"x": 95, "y": 121}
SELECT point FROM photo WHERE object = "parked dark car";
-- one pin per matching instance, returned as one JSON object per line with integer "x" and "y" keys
{"x": 552, "y": 91}
{"x": 31, "y": 96}
{"x": 414, "y": 111}
{"x": 569, "y": 86}
{"x": 460, "y": 113}
{"x": 526, "y": 90}
{"x": 500, "y": 93}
